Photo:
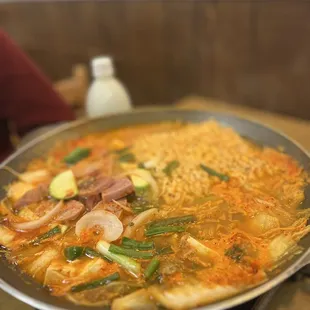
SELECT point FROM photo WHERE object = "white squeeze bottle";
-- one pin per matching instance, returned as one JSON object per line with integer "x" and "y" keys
{"x": 106, "y": 94}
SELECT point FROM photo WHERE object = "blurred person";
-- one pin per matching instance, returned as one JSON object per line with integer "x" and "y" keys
{"x": 27, "y": 97}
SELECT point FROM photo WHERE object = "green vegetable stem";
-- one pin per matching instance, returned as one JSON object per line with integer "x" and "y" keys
{"x": 130, "y": 252}
{"x": 137, "y": 245}
{"x": 212, "y": 172}
{"x": 77, "y": 155}
{"x": 172, "y": 221}
{"x": 151, "y": 268}
{"x": 163, "y": 230}
{"x": 172, "y": 165}
{"x": 94, "y": 284}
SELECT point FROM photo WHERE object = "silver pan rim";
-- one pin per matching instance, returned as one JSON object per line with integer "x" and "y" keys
{"x": 229, "y": 302}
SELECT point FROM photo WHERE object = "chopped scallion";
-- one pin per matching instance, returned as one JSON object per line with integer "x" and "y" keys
{"x": 172, "y": 165}
{"x": 76, "y": 155}
{"x": 137, "y": 245}
{"x": 130, "y": 252}
{"x": 122, "y": 151}
{"x": 73, "y": 252}
{"x": 212, "y": 172}
{"x": 165, "y": 251}
{"x": 127, "y": 158}
{"x": 236, "y": 253}
{"x": 96, "y": 283}
{"x": 163, "y": 230}
{"x": 52, "y": 232}
{"x": 141, "y": 166}
{"x": 172, "y": 221}
{"x": 127, "y": 263}
{"x": 151, "y": 268}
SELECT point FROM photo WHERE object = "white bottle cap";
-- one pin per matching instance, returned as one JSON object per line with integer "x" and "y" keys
{"x": 102, "y": 66}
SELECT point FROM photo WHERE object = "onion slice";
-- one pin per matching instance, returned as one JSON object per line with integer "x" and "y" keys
{"x": 112, "y": 226}
{"x": 127, "y": 209}
{"x": 25, "y": 226}
{"x": 138, "y": 221}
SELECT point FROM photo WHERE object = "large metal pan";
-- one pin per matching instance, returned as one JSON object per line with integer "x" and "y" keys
{"x": 31, "y": 293}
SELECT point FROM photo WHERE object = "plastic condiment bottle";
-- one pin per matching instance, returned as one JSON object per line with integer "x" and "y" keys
{"x": 106, "y": 95}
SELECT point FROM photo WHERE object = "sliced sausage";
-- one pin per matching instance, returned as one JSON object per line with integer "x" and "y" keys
{"x": 90, "y": 190}
{"x": 87, "y": 170}
{"x": 95, "y": 186}
{"x": 90, "y": 201}
{"x": 71, "y": 211}
{"x": 94, "y": 168}
{"x": 32, "y": 196}
{"x": 119, "y": 189}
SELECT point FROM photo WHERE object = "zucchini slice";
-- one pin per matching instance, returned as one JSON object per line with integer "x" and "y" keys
{"x": 63, "y": 186}
{"x": 139, "y": 183}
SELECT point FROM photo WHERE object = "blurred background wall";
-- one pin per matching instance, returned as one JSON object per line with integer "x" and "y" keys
{"x": 255, "y": 53}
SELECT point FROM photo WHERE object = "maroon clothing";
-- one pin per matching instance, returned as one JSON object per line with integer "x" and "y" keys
{"x": 27, "y": 98}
